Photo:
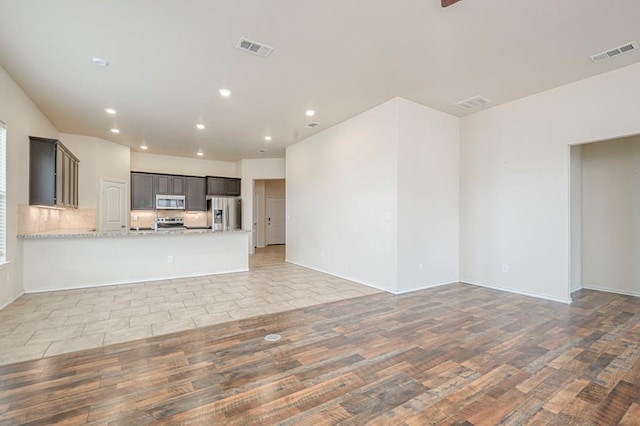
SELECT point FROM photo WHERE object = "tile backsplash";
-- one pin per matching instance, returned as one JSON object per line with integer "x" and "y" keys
{"x": 195, "y": 219}
{"x": 32, "y": 219}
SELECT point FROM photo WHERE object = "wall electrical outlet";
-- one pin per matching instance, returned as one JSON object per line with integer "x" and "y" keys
{"x": 420, "y": 266}
{"x": 322, "y": 255}
{"x": 505, "y": 267}
{"x": 169, "y": 259}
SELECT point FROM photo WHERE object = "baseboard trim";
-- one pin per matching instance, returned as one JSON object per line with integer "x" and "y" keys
{"x": 377, "y": 287}
{"x": 521, "y": 293}
{"x": 613, "y": 290}
{"x": 11, "y": 301}
{"x": 428, "y": 286}
{"x": 32, "y": 291}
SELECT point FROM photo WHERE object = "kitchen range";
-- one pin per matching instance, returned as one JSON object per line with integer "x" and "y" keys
{"x": 168, "y": 223}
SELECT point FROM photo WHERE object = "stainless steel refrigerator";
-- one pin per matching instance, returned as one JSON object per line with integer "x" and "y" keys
{"x": 224, "y": 213}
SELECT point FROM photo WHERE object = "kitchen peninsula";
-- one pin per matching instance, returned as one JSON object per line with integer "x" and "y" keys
{"x": 68, "y": 259}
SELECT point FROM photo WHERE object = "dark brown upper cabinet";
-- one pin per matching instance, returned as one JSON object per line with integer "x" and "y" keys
{"x": 223, "y": 186}
{"x": 53, "y": 174}
{"x": 170, "y": 185}
{"x": 142, "y": 194}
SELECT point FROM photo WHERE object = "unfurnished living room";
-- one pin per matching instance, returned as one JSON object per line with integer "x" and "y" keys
{"x": 341, "y": 212}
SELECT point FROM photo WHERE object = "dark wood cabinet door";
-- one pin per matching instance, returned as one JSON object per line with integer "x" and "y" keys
{"x": 163, "y": 184}
{"x": 216, "y": 186}
{"x": 53, "y": 173}
{"x": 232, "y": 187}
{"x": 142, "y": 194}
{"x": 60, "y": 178}
{"x": 178, "y": 185}
{"x": 196, "y": 198}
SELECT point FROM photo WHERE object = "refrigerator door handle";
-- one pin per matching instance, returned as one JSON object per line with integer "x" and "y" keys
{"x": 226, "y": 216}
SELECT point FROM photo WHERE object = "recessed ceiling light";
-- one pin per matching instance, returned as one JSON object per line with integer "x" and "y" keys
{"x": 267, "y": 138}
{"x": 110, "y": 111}
{"x": 200, "y": 126}
{"x": 143, "y": 147}
{"x": 200, "y": 153}
{"x": 225, "y": 92}
{"x": 310, "y": 113}
{"x": 100, "y": 62}
{"x": 115, "y": 131}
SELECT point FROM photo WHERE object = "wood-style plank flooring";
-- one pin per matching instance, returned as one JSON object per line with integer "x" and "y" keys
{"x": 457, "y": 354}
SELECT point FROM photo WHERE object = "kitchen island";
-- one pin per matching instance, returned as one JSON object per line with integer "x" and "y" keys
{"x": 69, "y": 259}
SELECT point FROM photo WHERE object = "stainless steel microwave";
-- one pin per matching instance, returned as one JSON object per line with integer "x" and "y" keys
{"x": 169, "y": 202}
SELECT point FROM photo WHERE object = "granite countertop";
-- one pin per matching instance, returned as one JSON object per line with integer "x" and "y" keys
{"x": 89, "y": 233}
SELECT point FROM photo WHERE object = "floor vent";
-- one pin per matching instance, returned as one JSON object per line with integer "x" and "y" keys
{"x": 625, "y": 48}
{"x": 473, "y": 103}
{"x": 254, "y": 47}
{"x": 313, "y": 124}
{"x": 272, "y": 337}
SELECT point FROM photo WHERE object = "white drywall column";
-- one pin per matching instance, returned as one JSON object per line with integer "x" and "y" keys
{"x": 341, "y": 195}
{"x": 428, "y": 181}
{"x": 250, "y": 170}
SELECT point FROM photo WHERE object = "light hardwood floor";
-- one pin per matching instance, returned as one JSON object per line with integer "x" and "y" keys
{"x": 456, "y": 354}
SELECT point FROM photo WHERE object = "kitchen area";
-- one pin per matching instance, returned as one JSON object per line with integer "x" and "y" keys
{"x": 156, "y": 226}
{"x": 162, "y": 202}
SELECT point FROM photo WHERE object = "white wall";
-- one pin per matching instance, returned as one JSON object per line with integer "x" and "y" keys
{"x": 515, "y": 193}
{"x": 249, "y": 171}
{"x": 275, "y": 188}
{"x": 98, "y": 159}
{"x": 611, "y": 215}
{"x": 575, "y": 237}
{"x": 258, "y": 211}
{"x": 23, "y": 119}
{"x": 154, "y": 163}
{"x": 428, "y": 180}
{"x": 342, "y": 199}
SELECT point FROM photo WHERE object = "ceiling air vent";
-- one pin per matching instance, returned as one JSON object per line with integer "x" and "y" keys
{"x": 313, "y": 124}
{"x": 625, "y": 48}
{"x": 254, "y": 47}
{"x": 473, "y": 103}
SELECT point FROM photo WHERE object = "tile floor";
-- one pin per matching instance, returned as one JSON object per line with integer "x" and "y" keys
{"x": 46, "y": 324}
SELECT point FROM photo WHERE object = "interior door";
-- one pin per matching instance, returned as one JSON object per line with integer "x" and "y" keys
{"x": 113, "y": 205}
{"x": 275, "y": 220}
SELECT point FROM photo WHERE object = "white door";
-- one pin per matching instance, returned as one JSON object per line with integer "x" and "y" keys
{"x": 275, "y": 220}
{"x": 113, "y": 205}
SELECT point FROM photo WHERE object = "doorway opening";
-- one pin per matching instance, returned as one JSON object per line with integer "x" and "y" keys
{"x": 605, "y": 216}
{"x": 269, "y": 213}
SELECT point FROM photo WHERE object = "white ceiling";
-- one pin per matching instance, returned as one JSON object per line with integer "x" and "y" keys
{"x": 168, "y": 58}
